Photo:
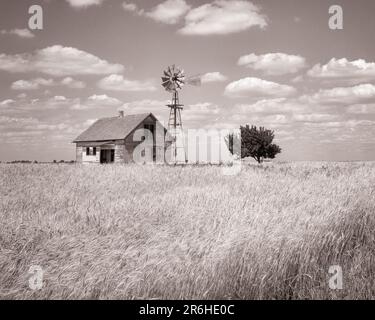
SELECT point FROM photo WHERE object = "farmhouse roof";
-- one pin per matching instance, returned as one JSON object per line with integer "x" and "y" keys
{"x": 115, "y": 128}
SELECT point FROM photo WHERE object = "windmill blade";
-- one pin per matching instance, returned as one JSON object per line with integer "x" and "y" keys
{"x": 171, "y": 86}
{"x": 166, "y": 85}
{"x": 169, "y": 71}
{"x": 194, "y": 80}
{"x": 181, "y": 81}
{"x": 174, "y": 79}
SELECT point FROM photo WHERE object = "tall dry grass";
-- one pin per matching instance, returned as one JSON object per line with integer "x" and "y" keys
{"x": 135, "y": 232}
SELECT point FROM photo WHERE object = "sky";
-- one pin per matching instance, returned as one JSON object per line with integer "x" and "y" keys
{"x": 268, "y": 63}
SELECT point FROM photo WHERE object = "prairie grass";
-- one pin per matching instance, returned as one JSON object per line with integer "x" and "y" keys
{"x": 137, "y": 232}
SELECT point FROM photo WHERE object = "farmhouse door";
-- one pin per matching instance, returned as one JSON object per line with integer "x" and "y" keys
{"x": 107, "y": 156}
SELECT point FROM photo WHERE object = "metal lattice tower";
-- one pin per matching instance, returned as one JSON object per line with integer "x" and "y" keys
{"x": 176, "y": 130}
{"x": 173, "y": 80}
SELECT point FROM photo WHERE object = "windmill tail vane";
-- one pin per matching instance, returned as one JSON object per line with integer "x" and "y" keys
{"x": 173, "y": 80}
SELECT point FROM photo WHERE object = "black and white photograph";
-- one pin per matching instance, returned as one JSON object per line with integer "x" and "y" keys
{"x": 187, "y": 150}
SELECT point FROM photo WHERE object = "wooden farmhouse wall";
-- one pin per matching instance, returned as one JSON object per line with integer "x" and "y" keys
{"x": 124, "y": 149}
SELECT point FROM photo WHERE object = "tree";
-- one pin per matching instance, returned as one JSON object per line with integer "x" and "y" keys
{"x": 255, "y": 143}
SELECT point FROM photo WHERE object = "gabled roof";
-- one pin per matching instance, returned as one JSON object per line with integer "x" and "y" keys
{"x": 116, "y": 128}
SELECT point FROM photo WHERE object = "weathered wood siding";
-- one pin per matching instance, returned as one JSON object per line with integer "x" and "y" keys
{"x": 119, "y": 152}
{"x": 124, "y": 149}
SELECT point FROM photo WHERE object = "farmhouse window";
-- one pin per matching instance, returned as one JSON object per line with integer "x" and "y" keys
{"x": 87, "y": 151}
{"x": 94, "y": 151}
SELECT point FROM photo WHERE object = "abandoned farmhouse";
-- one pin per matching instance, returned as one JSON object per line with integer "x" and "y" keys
{"x": 112, "y": 140}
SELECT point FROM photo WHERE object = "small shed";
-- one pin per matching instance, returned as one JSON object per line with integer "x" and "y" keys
{"x": 111, "y": 140}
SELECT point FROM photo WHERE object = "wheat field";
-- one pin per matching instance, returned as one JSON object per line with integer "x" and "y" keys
{"x": 159, "y": 232}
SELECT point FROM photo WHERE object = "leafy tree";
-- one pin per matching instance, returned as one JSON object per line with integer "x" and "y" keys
{"x": 255, "y": 143}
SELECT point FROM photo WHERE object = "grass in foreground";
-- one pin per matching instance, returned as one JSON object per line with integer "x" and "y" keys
{"x": 135, "y": 232}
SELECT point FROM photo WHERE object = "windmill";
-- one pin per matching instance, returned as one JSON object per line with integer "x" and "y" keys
{"x": 174, "y": 80}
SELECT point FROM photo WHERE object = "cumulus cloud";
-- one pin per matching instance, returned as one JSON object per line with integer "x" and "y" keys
{"x": 31, "y": 84}
{"x": 342, "y": 95}
{"x": 104, "y": 99}
{"x": 362, "y": 109}
{"x": 314, "y": 117}
{"x": 344, "y": 69}
{"x": 273, "y": 63}
{"x": 169, "y": 12}
{"x": 95, "y": 102}
{"x": 84, "y": 3}
{"x": 37, "y": 83}
{"x": 132, "y": 7}
{"x": 60, "y": 103}
{"x": 22, "y": 33}
{"x": 58, "y": 61}
{"x": 277, "y": 105}
{"x": 72, "y": 83}
{"x": 117, "y": 82}
{"x": 7, "y": 102}
{"x": 255, "y": 87}
{"x": 223, "y": 17}
{"x": 213, "y": 77}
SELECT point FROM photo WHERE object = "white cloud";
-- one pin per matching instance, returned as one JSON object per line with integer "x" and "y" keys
{"x": 104, "y": 100}
{"x": 117, "y": 82}
{"x": 58, "y": 61}
{"x": 32, "y": 84}
{"x": 278, "y": 105}
{"x": 340, "y": 124}
{"x": 22, "y": 33}
{"x": 94, "y": 102}
{"x": 345, "y": 69}
{"x": 255, "y": 87}
{"x": 84, "y": 3}
{"x": 269, "y": 120}
{"x": 223, "y": 17}
{"x": 169, "y": 12}
{"x": 17, "y": 121}
{"x": 273, "y": 63}
{"x": 213, "y": 77}
{"x": 314, "y": 117}
{"x": 342, "y": 95}
{"x": 59, "y": 98}
{"x": 7, "y": 102}
{"x": 132, "y": 7}
{"x": 22, "y": 95}
{"x": 362, "y": 109}
{"x": 72, "y": 83}
{"x": 37, "y": 83}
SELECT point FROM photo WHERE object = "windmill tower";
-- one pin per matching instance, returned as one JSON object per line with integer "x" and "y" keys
{"x": 174, "y": 80}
